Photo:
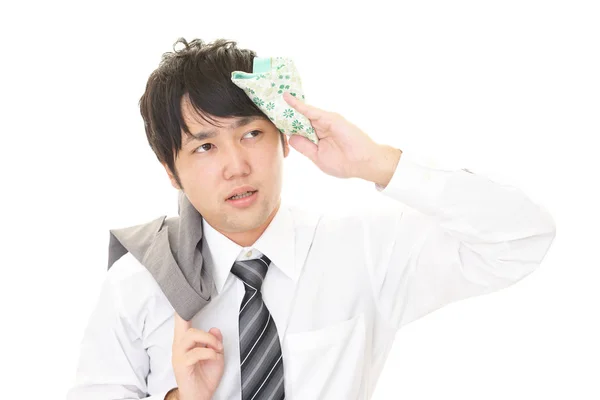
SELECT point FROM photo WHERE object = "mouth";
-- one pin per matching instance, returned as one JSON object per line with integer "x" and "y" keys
{"x": 242, "y": 195}
{"x": 243, "y": 200}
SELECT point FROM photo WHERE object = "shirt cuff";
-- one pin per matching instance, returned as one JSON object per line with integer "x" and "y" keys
{"x": 417, "y": 183}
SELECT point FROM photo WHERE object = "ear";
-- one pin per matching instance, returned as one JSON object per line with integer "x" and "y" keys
{"x": 171, "y": 177}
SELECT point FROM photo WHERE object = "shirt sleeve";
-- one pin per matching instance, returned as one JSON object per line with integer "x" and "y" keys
{"x": 113, "y": 363}
{"x": 450, "y": 234}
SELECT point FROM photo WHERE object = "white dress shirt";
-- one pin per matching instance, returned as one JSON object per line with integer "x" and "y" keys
{"x": 338, "y": 289}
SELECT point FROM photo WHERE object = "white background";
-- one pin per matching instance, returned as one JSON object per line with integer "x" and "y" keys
{"x": 509, "y": 89}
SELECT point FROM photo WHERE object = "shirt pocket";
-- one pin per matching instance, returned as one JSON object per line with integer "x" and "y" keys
{"x": 326, "y": 363}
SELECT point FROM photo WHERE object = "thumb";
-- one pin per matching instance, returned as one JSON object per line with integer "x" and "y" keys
{"x": 304, "y": 146}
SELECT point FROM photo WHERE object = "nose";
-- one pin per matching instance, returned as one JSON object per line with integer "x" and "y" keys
{"x": 235, "y": 162}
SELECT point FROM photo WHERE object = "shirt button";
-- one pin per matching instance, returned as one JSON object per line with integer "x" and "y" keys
{"x": 248, "y": 254}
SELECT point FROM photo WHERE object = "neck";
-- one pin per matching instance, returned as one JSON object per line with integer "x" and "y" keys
{"x": 248, "y": 238}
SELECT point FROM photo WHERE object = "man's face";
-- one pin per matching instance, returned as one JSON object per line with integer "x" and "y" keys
{"x": 211, "y": 168}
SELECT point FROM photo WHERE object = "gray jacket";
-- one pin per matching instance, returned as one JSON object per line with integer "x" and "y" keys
{"x": 170, "y": 248}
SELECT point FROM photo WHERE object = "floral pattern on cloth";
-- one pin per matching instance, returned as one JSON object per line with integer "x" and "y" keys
{"x": 266, "y": 91}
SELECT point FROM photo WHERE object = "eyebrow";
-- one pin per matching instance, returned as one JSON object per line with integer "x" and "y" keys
{"x": 213, "y": 132}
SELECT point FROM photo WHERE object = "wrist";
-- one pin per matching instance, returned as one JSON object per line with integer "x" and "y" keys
{"x": 172, "y": 394}
{"x": 382, "y": 166}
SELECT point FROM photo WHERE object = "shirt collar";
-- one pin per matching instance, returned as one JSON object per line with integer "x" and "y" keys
{"x": 278, "y": 242}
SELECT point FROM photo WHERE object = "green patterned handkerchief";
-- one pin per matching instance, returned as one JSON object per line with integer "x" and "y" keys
{"x": 270, "y": 78}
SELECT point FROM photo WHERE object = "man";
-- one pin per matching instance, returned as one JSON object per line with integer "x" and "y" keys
{"x": 303, "y": 305}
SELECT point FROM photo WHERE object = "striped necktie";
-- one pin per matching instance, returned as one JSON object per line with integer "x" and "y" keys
{"x": 260, "y": 351}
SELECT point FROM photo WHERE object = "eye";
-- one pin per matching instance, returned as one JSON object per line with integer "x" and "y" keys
{"x": 202, "y": 147}
{"x": 257, "y": 133}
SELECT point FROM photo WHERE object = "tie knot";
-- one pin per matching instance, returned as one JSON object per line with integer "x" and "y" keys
{"x": 252, "y": 272}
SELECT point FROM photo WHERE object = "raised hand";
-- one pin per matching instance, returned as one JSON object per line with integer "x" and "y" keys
{"x": 197, "y": 361}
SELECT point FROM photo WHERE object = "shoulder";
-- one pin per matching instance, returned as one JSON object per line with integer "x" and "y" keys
{"x": 360, "y": 215}
{"x": 134, "y": 291}
{"x": 128, "y": 272}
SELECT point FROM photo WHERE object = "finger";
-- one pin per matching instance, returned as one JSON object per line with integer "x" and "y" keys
{"x": 196, "y": 337}
{"x": 310, "y": 112}
{"x": 304, "y": 146}
{"x": 181, "y": 327}
{"x": 199, "y": 354}
{"x": 217, "y": 333}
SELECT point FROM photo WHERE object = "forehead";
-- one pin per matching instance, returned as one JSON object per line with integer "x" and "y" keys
{"x": 195, "y": 120}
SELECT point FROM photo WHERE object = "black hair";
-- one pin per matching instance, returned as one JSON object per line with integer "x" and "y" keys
{"x": 202, "y": 73}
